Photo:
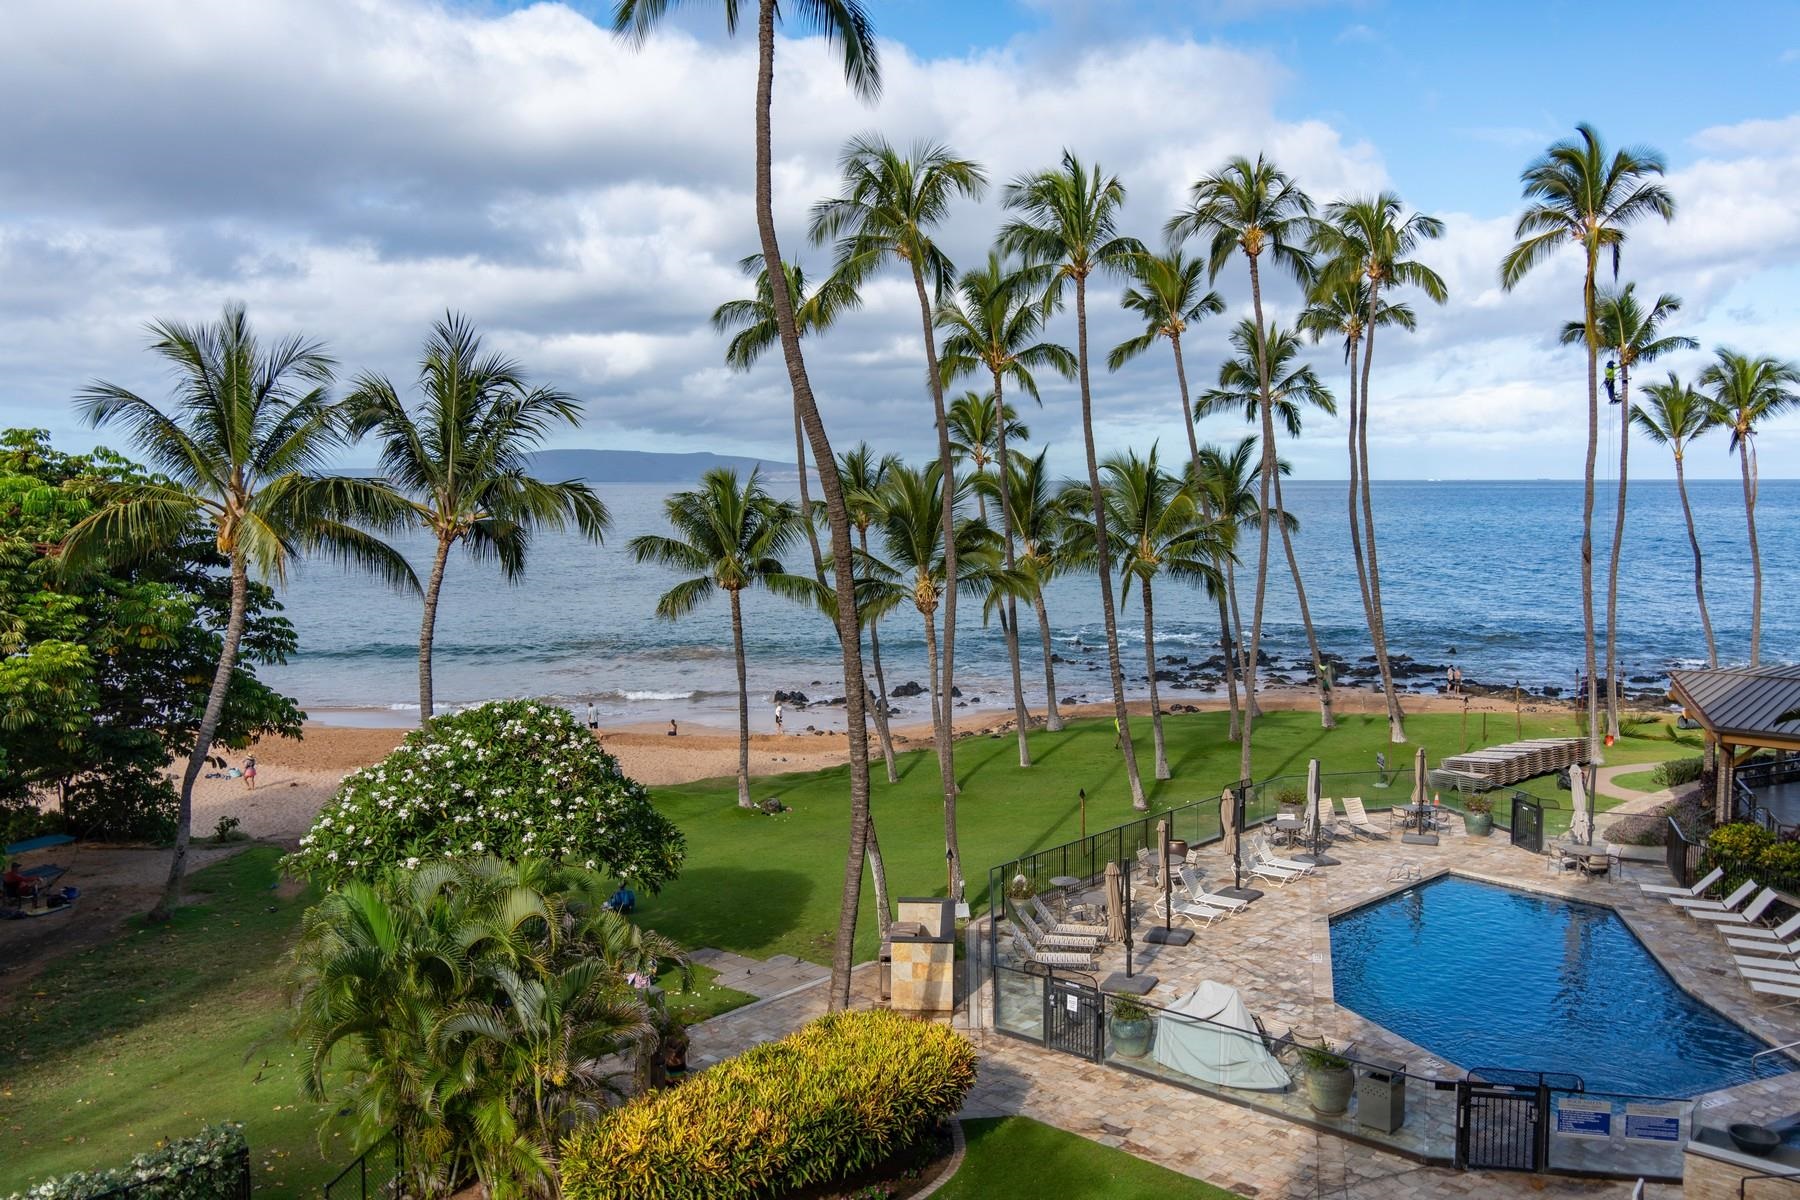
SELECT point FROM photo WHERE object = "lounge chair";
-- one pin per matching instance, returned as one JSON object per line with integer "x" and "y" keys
{"x": 1759, "y": 936}
{"x": 1786, "y": 992}
{"x": 1698, "y": 890}
{"x": 1041, "y": 938}
{"x": 1694, "y": 904}
{"x": 1759, "y": 962}
{"x": 1264, "y": 866}
{"x": 1196, "y": 890}
{"x": 1266, "y": 852}
{"x": 1323, "y": 817}
{"x": 1751, "y": 914}
{"x": 1357, "y": 817}
{"x": 1051, "y": 924}
{"x": 1188, "y": 910}
{"x": 1052, "y": 958}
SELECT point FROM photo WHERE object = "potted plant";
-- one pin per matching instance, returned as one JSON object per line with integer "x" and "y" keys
{"x": 1478, "y": 816}
{"x": 1020, "y": 888}
{"x": 1131, "y": 1027}
{"x": 1329, "y": 1079}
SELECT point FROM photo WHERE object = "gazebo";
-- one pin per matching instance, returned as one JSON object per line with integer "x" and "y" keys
{"x": 1743, "y": 710}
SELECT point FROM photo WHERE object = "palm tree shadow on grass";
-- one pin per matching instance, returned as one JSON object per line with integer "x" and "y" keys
{"x": 732, "y": 907}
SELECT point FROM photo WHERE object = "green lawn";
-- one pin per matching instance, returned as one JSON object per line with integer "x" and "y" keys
{"x": 1637, "y": 781}
{"x": 1019, "y": 1157}
{"x": 704, "y": 998}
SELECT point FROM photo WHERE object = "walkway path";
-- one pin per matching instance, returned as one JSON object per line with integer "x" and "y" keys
{"x": 759, "y": 977}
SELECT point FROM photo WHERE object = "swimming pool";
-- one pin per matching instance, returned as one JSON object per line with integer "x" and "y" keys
{"x": 1490, "y": 976}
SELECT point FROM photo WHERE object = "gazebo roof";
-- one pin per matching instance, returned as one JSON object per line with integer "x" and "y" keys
{"x": 1743, "y": 705}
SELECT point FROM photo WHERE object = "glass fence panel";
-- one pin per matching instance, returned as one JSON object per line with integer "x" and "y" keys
{"x": 1618, "y": 1135}
{"x": 1019, "y": 1003}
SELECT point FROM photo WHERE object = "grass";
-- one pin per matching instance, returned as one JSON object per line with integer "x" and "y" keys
{"x": 1019, "y": 1157}
{"x": 1637, "y": 781}
{"x": 704, "y": 1000}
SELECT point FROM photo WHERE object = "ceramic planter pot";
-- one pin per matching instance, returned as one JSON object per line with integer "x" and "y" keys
{"x": 1131, "y": 1038}
{"x": 1328, "y": 1089}
{"x": 1478, "y": 824}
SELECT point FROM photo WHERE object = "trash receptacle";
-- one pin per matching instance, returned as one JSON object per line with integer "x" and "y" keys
{"x": 1381, "y": 1095}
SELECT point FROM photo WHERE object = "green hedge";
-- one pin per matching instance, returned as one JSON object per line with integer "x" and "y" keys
{"x": 204, "y": 1167}
{"x": 1748, "y": 851}
{"x": 840, "y": 1095}
{"x": 1678, "y": 771}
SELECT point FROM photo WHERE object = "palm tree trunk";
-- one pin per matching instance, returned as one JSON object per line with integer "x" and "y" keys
{"x": 1587, "y": 506}
{"x": 881, "y": 697}
{"x": 428, "y": 627}
{"x": 737, "y": 647}
{"x": 1010, "y": 609}
{"x": 940, "y": 720}
{"x": 837, "y": 513}
{"x": 1747, "y": 460}
{"x": 947, "y": 463}
{"x": 1052, "y": 715}
{"x": 1187, "y": 423}
{"x": 1156, "y": 726}
{"x": 806, "y": 512}
{"x": 1269, "y": 468}
{"x": 1618, "y": 541}
{"x": 1246, "y": 669}
{"x": 1377, "y": 613}
{"x": 1326, "y": 719}
{"x": 1687, "y": 511}
{"x": 1103, "y": 558}
{"x": 209, "y": 726}
{"x": 884, "y": 913}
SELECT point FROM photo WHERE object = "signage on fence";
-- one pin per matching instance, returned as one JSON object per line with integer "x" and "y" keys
{"x": 1653, "y": 1122}
{"x": 1584, "y": 1118}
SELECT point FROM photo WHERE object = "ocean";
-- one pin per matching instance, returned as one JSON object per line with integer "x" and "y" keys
{"x": 1483, "y": 574}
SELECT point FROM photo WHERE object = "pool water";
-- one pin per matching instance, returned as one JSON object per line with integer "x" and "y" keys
{"x": 1489, "y": 976}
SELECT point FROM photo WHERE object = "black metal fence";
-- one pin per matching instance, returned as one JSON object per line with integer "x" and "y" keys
{"x": 1681, "y": 855}
{"x": 375, "y": 1173}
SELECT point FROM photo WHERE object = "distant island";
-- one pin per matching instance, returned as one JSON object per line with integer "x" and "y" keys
{"x": 644, "y": 466}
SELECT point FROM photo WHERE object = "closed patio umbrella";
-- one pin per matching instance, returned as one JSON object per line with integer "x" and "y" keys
{"x": 1314, "y": 819}
{"x": 1419, "y": 774}
{"x": 1227, "y": 826}
{"x": 1115, "y": 904}
{"x": 1581, "y": 825}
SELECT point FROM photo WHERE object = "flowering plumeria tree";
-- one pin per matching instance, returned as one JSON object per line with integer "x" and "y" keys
{"x": 510, "y": 778}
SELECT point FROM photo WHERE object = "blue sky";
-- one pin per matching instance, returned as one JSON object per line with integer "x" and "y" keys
{"x": 363, "y": 165}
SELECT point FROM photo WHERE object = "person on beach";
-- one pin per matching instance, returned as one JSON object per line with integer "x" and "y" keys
{"x": 1449, "y": 681}
{"x": 778, "y": 716}
{"x": 593, "y": 716}
{"x": 672, "y": 730}
{"x": 250, "y": 772}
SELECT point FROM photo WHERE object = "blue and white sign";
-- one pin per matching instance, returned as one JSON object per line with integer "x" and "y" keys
{"x": 1584, "y": 1118}
{"x": 1653, "y": 1122}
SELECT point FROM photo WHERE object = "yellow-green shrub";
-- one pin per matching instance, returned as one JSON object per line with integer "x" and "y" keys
{"x": 836, "y": 1097}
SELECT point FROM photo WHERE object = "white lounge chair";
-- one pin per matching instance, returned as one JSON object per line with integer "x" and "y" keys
{"x": 1698, "y": 890}
{"x": 1792, "y": 978}
{"x": 1786, "y": 992}
{"x": 1043, "y": 939}
{"x": 1759, "y": 962}
{"x": 1357, "y": 817}
{"x": 1751, "y": 914}
{"x": 1196, "y": 890}
{"x": 1757, "y": 934}
{"x": 1694, "y": 904}
{"x": 1052, "y": 958}
{"x": 1266, "y": 852}
{"x": 1187, "y": 910}
{"x": 1323, "y": 817}
{"x": 1263, "y": 869}
{"x": 1051, "y": 923}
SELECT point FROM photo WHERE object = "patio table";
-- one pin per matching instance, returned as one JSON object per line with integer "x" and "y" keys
{"x": 1289, "y": 828}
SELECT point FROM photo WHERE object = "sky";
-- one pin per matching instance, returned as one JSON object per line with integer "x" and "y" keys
{"x": 352, "y": 169}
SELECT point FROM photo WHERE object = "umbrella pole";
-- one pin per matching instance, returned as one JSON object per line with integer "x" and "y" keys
{"x": 1167, "y": 935}
{"x": 1237, "y": 890}
{"x": 1126, "y": 982}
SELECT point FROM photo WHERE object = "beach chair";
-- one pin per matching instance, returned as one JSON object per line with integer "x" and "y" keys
{"x": 1188, "y": 910}
{"x": 1695, "y": 904}
{"x": 1266, "y": 850}
{"x": 1751, "y": 914}
{"x": 1757, "y": 962}
{"x": 1051, "y": 924}
{"x": 1323, "y": 817}
{"x": 1693, "y": 893}
{"x": 1052, "y": 958}
{"x": 1357, "y": 818}
{"x": 1760, "y": 937}
{"x": 1196, "y": 890}
{"x": 1042, "y": 939}
{"x": 1263, "y": 866}
{"x": 1787, "y": 993}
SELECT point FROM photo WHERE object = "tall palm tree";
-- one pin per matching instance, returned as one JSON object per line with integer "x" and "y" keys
{"x": 751, "y": 322}
{"x": 976, "y": 434}
{"x": 1675, "y": 416}
{"x": 994, "y": 324}
{"x": 1743, "y": 391}
{"x": 238, "y": 446}
{"x": 458, "y": 462}
{"x": 1038, "y": 516}
{"x": 1369, "y": 238}
{"x": 1289, "y": 387}
{"x": 1167, "y": 293}
{"x": 864, "y": 476}
{"x": 1632, "y": 335}
{"x": 1066, "y": 224}
{"x": 1157, "y": 530}
{"x": 888, "y": 208}
{"x": 846, "y": 27}
{"x": 1229, "y": 479}
{"x": 1254, "y": 208}
{"x": 731, "y": 535}
{"x": 1575, "y": 192}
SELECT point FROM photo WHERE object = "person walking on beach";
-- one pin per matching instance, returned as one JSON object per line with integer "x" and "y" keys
{"x": 250, "y": 772}
{"x": 778, "y": 716}
{"x": 1450, "y": 681}
{"x": 593, "y": 716}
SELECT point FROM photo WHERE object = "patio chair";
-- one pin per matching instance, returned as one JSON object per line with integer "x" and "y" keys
{"x": 1052, "y": 958}
{"x": 1694, "y": 893}
{"x": 1146, "y": 861}
{"x": 1266, "y": 851}
{"x": 1196, "y": 890}
{"x": 1593, "y": 865}
{"x": 1751, "y": 914}
{"x": 1051, "y": 924}
{"x": 1041, "y": 938}
{"x": 1757, "y": 938}
{"x": 1743, "y": 893}
{"x": 1357, "y": 818}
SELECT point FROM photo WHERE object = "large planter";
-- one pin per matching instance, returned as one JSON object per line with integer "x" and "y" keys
{"x": 1131, "y": 1038}
{"x": 1478, "y": 824}
{"x": 1328, "y": 1089}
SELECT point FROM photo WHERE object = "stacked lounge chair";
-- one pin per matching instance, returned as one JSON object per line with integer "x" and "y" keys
{"x": 1052, "y": 924}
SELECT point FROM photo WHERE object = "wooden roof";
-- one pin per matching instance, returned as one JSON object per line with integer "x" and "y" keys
{"x": 1742, "y": 705}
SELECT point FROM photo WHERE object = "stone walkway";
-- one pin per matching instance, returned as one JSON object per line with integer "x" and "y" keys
{"x": 759, "y": 977}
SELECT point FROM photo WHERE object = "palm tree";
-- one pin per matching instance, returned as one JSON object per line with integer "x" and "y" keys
{"x": 238, "y": 446}
{"x": 864, "y": 476}
{"x": 1743, "y": 392}
{"x": 993, "y": 323}
{"x": 1257, "y": 209}
{"x": 1157, "y": 530}
{"x": 459, "y": 462}
{"x": 889, "y": 205}
{"x": 731, "y": 535}
{"x": 1038, "y": 517}
{"x": 847, "y": 28}
{"x": 751, "y": 322}
{"x": 1067, "y": 225}
{"x": 1366, "y": 239}
{"x": 975, "y": 436}
{"x": 1632, "y": 335}
{"x": 1229, "y": 478}
{"x": 1575, "y": 193}
{"x": 1166, "y": 292}
{"x": 1677, "y": 414}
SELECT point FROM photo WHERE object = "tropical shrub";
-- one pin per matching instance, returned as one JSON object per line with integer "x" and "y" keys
{"x": 205, "y": 1167}
{"x": 1748, "y": 851}
{"x": 478, "y": 1009}
{"x": 847, "y": 1092}
{"x": 1692, "y": 812}
{"x": 1678, "y": 771}
{"x": 511, "y": 778}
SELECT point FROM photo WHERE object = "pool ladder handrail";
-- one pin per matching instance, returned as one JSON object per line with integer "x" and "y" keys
{"x": 1762, "y": 1054}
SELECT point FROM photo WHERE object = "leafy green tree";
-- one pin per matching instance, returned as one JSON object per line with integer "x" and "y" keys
{"x": 1632, "y": 335}
{"x": 1167, "y": 293}
{"x": 1370, "y": 239}
{"x": 1743, "y": 392}
{"x": 1575, "y": 192}
{"x": 459, "y": 462}
{"x": 731, "y": 534}
{"x": 846, "y": 27}
{"x": 1065, "y": 225}
{"x": 1254, "y": 208}
{"x": 1674, "y": 416}
{"x": 888, "y": 208}
{"x": 237, "y": 447}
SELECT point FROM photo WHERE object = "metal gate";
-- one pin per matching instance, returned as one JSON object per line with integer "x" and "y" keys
{"x": 1072, "y": 1018}
{"x": 1527, "y": 825}
{"x": 1502, "y": 1127}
